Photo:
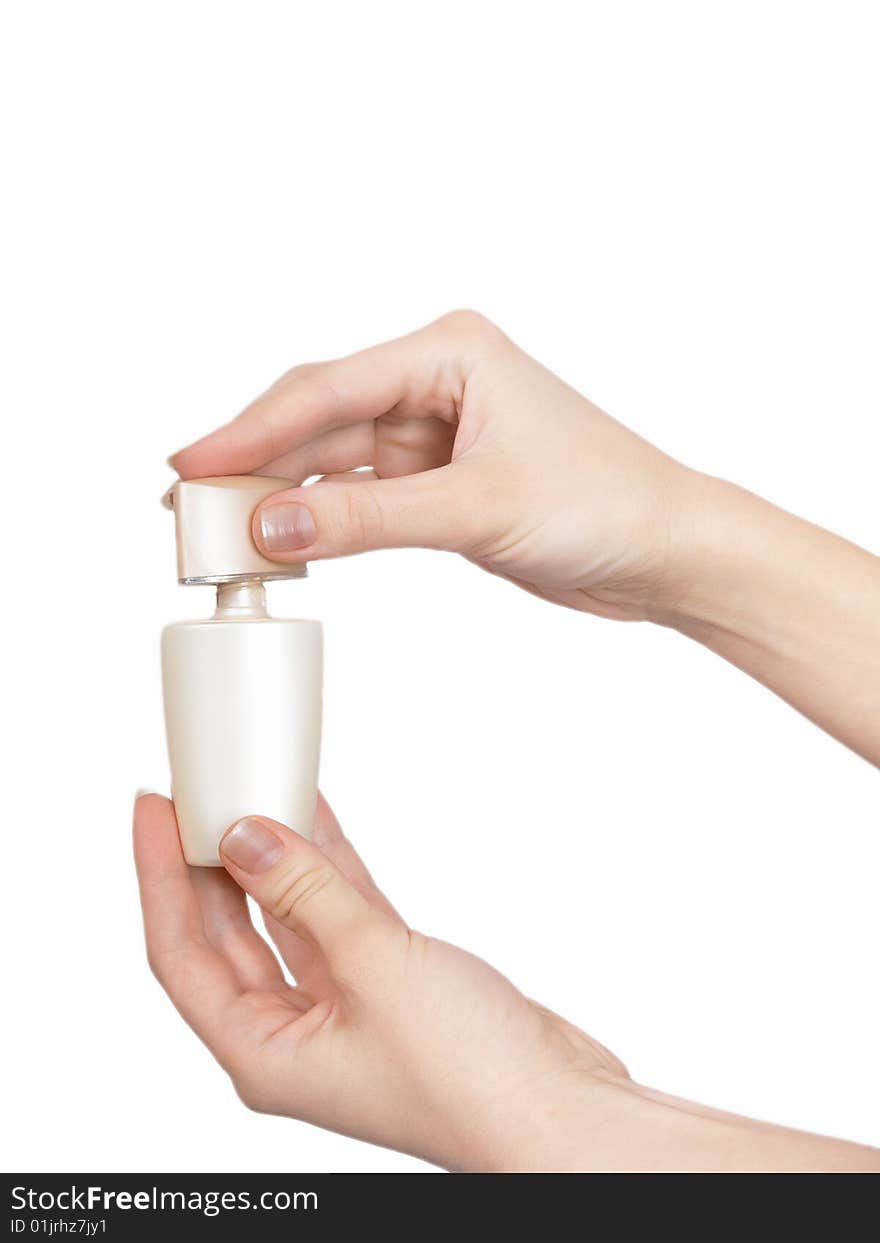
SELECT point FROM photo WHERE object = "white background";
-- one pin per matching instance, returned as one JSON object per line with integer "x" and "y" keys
{"x": 674, "y": 206}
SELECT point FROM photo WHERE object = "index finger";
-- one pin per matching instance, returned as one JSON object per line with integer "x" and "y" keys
{"x": 420, "y": 375}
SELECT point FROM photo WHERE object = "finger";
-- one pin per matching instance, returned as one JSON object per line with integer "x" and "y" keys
{"x": 301, "y": 958}
{"x": 406, "y": 446}
{"x": 392, "y": 446}
{"x": 338, "y": 518}
{"x": 295, "y": 883}
{"x": 330, "y": 839}
{"x": 228, "y": 928}
{"x": 344, "y": 449}
{"x": 422, "y": 374}
{"x": 197, "y": 978}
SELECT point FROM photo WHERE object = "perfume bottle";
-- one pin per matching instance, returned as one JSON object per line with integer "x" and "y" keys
{"x": 242, "y": 690}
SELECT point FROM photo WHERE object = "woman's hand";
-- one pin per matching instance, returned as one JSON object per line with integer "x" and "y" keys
{"x": 396, "y": 1038}
{"x": 473, "y": 447}
{"x": 388, "y": 1035}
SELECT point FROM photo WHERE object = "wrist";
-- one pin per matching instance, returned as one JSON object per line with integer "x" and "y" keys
{"x": 555, "y": 1126}
{"x": 717, "y": 540}
{"x": 594, "y": 1122}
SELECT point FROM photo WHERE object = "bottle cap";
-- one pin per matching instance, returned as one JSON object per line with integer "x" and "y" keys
{"x": 213, "y": 522}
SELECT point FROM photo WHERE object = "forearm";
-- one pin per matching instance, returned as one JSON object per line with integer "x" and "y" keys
{"x": 591, "y": 1124}
{"x": 791, "y": 604}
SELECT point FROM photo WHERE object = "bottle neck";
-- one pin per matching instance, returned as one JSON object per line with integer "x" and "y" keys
{"x": 240, "y": 600}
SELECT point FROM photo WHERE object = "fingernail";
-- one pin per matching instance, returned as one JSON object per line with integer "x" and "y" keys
{"x": 287, "y": 527}
{"x": 251, "y": 846}
{"x": 141, "y": 792}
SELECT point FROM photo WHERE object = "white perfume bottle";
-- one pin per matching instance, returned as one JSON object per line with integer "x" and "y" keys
{"x": 242, "y": 689}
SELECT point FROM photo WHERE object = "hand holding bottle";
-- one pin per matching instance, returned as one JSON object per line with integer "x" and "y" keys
{"x": 475, "y": 447}
{"x": 399, "y": 1039}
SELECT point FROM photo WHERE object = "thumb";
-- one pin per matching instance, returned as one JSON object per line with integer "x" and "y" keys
{"x": 335, "y": 517}
{"x": 295, "y": 883}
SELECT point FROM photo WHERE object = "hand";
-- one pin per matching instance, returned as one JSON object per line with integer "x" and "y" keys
{"x": 474, "y": 447}
{"x": 396, "y": 1038}
{"x": 388, "y": 1035}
